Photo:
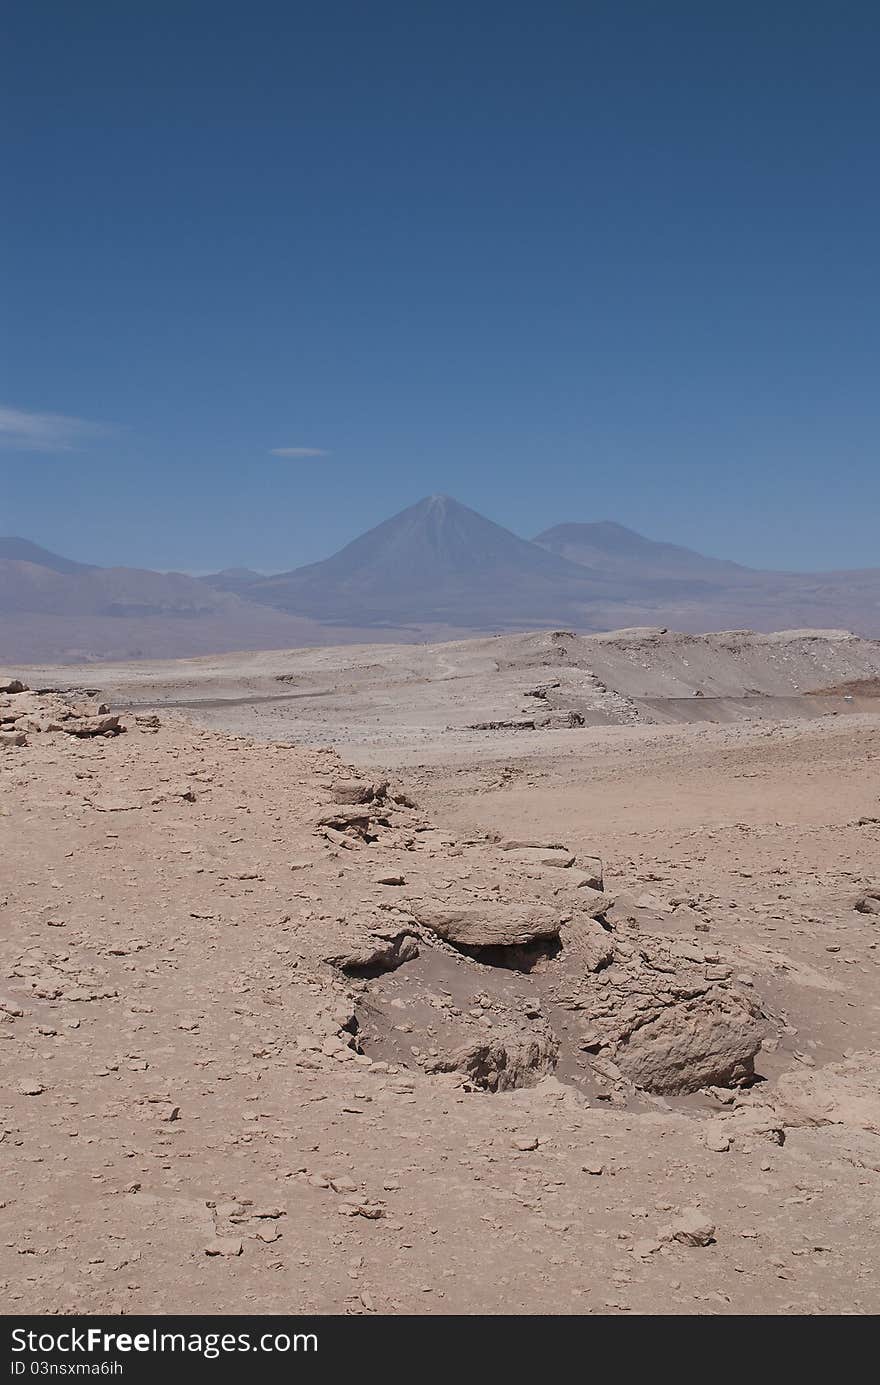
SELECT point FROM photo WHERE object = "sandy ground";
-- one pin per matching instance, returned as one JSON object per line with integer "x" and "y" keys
{"x": 249, "y": 1064}
{"x": 398, "y": 702}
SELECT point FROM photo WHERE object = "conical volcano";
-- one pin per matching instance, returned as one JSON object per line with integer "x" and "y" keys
{"x": 438, "y": 560}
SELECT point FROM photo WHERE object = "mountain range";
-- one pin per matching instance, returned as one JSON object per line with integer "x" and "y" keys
{"x": 435, "y": 570}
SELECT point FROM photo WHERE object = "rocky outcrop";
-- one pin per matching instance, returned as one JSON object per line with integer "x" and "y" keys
{"x": 652, "y": 1016}
{"x": 668, "y": 1023}
{"x": 23, "y": 711}
{"x": 499, "y": 1065}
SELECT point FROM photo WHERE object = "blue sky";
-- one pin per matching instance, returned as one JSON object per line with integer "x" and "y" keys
{"x": 565, "y": 261}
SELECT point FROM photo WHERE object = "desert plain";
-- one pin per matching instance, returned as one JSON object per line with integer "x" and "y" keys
{"x": 532, "y": 974}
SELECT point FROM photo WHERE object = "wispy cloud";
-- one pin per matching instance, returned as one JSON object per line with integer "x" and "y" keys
{"x": 21, "y": 431}
{"x": 298, "y": 452}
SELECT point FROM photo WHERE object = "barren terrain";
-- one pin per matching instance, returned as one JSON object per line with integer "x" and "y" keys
{"x": 522, "y": 975}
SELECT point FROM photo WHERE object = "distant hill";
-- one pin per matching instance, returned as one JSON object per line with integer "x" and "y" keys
{"x": 23, "y": 551}
{"x": 55, "y": 609}
{"x": 109, "y": 591}
{"x": 232, "y": 579}
{"x": 609, "y": 547}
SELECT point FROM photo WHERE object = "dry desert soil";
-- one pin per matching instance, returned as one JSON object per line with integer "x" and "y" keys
{"x": 526, "y": 975}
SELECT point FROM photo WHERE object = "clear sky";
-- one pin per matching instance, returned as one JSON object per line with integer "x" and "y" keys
{"x": 568, "y": 260}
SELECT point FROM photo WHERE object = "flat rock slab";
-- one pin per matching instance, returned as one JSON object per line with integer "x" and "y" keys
{"x": 487, "y": 924}
{"x": 384, "y": 951}
{"x": 541, "y": 856}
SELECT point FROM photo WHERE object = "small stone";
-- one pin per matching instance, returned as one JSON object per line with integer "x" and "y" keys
{"x": 224, "y": 1245}
{"x": 591, "y": 868}
{"x": 692, "y": 1228}
{"x": 29, "y": 1086}
{"x": 524, "y": 1143}
{"x": 225, "y": 1210}
{"x": 351, "y": 1208}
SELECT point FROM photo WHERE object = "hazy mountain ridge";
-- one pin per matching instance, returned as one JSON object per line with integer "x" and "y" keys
{"x": 611, "y": 547}
{"x": 16, "y": 550}
{"x": 29, "y": 586}
{"x": 436, "y": 570}
{"x": 232, "y": 579}
{"x": 68, "y": 611}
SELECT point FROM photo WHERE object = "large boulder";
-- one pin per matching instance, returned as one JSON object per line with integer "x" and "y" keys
{"x": 587, "y": 944}
{"x": 357, "y": 790}
{"x": 706, "y": 1039}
